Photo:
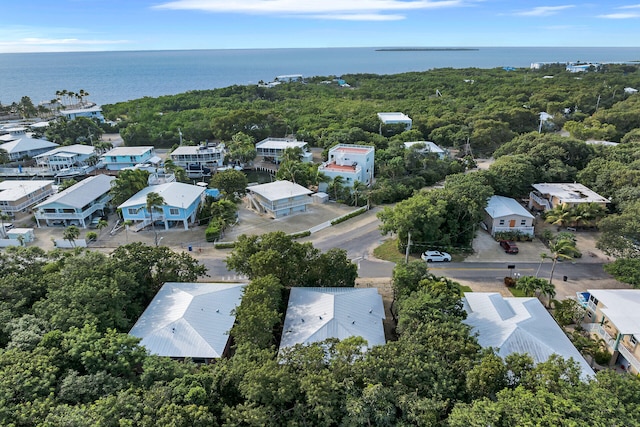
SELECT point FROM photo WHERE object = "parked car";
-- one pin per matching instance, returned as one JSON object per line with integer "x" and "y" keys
{"x": 509, "y": 246}
{"x": 436, "y": 256}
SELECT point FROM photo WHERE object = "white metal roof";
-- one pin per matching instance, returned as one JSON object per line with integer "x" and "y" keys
{"x": 94, "y": 109}
{"x": 197, "y": 149}
{"x": 500, "y": 206}
{"x": 315, "y": 314}
{"x": 189, "y": 319}
{"x": 622, "y": 308}
{"x": 394, "y": 117}
{"x": 26, "y": 143}
{"x": 570, "y": 192}
{"x": 280, "y": 143}
{"x": 82, "y": 193}
{"x": 175, "y": 194}
{"x": 430, "y": 146}
{"x": 128, "y": 151}
{"x": 519, "y": 325}
{"x": 279, "y": 190}
{"x": 69, "y": 149}
{"x": 11, "y": 190}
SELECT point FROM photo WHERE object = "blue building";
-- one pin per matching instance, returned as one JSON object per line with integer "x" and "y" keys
{"x": 181, "y": 203}
{"x": 127, "y": 157}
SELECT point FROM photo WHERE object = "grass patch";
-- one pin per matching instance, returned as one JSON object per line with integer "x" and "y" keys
{"x": 465, "y": 288}
{"x": 388, "y": 251}
{"x": 516, "y": 292}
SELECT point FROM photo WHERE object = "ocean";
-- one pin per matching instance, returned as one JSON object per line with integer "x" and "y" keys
{"x": 111, "y": 77}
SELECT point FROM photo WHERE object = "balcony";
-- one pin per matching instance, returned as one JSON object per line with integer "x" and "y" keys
{"x": 611, "y": 343}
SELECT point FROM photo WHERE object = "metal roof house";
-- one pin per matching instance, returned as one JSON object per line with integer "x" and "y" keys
{"x": 429, "y": 147}
{"x": 200, "y": 155}
{"x": 519, "y": 325}
{"x": 181, "y": 203}
{"x": 279, "y": 198}
{"x": 614, "y": 315}
{"x": 77, "y": 204}
{"x": 315, "y": 314}
{"x": 504, "y": 214}
{"x": 94, "y": 112}
{"x": 273, "y": 149}
{"x": 351, "y": 162}
{"x": 395, "y": 118}
{"x": 547, "y": 196}
{"x": 19, "y": 195}
{"x": 127, "y": 157}
{"x": 66, "y": 157}
{"x": 21, "y": 145}
{"x": 189, "y": 320}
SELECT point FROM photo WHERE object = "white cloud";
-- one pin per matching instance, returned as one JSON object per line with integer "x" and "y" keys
{"x": 354, "y": 10}
{"x": 42, "y": 44}
{"x": 631, "y": 6}
{"x": 629, "y": 15}
{"x": 544, "y": 10}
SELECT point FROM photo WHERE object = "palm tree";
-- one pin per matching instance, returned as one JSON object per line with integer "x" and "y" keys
{"x": 589, "y": 214}
{"x": 336, "y": 185}
{"x": 357, "y": 190}
{"x": 562, "y": 215}
{"x": 154, "y": 203}
{"x": 528, "y": 285}
{"x": 101, "y": 224}
{"x": 547, "y": 290}
{"x": 543, "y": 256}
{"x": 561, "y": 249}
{"x": 71, "y": 233}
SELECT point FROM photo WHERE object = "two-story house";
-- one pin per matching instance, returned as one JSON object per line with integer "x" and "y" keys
{"x": 279, "y": 198}
{"x": 67, "y": 157}
{"x": 614, "y": 316}
{"x": 180, "y": 206}
{"x": 547, "y": 196}
{"x": 94, "y": 112}
{"x": 19, "y": 195}
{"x": 272, "y": 149}
{"x": 351, "y": 162}
{"x": 202, "y": 156}
{"x": 76, "y": 205}
{"x": 127, "y": 157}
{"x": 22, "y": 146}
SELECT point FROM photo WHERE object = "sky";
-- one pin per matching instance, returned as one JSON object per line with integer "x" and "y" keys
{"x": 115, "y": 25}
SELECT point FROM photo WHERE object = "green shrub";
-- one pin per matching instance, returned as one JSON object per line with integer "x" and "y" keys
{"x": 212, "y": 233}
{"x": 349, "y": 216}
{"x": 227, "y": 245}
{"x": 300, "y": 234}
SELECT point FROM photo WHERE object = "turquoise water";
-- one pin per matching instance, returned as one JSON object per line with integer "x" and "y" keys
{"x": 119, "y": 76}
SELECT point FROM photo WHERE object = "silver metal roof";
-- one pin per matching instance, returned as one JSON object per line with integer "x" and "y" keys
{"x": 315, "y": 314}
{"x": 189, "y": 319}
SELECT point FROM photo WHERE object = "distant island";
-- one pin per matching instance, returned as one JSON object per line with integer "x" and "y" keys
{"x": 424, "y": 49}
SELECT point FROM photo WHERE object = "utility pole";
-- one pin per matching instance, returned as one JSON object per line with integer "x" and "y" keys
{"x": 406, "y": 255}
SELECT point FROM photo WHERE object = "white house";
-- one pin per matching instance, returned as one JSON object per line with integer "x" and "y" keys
{"x": 394, "y": 118}
{"x": 519, "y": 325}
{"x": 273, "y": 149}
{"x": 427, "y": 147}
{"x": 315, "y": 314}
{"x": 279, "y": 198}
{"x": 614, "y": 316}
{"x": 66, "y": 157}
{"x": 189, "y": 320}
{"x": 202, "y": 156}
{"x": 94, "y": 112}
{"x": 20, "y": 145}
{"x": 127, "y": 157}
{"x": 547, "y": 196}
{"x": 351, "y": 162}
{"x": 506, "y": 214}
{"x": 19, "y": 195}
{"x": 181, "y": 203}
{"x": 76, "y": 205}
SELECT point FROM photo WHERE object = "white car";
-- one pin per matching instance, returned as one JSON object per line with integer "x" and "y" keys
{"x": 435, "y": 256}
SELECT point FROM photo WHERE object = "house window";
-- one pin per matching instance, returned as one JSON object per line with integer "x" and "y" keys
{"x": 502, "y": 222}
{"x": 589, "y": 314}
{"x": 594, "y": 300}
{"x": 523, "y": 222}
{"x": 174, "y": 211}
{"x": 132, "y": 211}
{"x": 633, "y": 341}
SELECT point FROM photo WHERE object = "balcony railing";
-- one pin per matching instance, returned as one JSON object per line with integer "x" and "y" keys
{"x": 611, "y": 342}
